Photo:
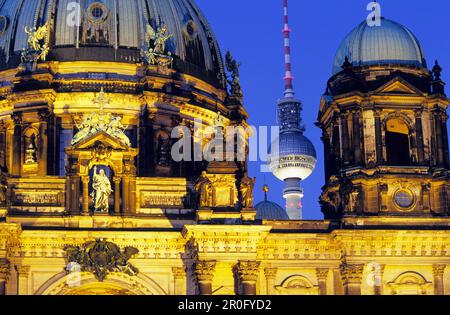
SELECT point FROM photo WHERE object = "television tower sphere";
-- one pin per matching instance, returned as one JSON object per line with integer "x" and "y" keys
{"x": 292, "y": 156}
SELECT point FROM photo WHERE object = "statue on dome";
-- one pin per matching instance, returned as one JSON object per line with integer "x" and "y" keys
{"x": 36, "y": 50}
{"x": 154, "y": 51}
{"x": 102, "y": 191}
{"x": 233, "y": 67}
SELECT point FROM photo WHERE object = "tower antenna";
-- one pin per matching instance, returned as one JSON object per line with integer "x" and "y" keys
{"x": 288, "y": 77}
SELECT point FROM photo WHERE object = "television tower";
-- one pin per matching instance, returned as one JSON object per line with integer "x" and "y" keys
{"x": 293, "y": 156}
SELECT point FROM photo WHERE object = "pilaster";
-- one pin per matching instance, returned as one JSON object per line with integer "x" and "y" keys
{"x": 351, "y": 278}
{"x": 248, "y": 272}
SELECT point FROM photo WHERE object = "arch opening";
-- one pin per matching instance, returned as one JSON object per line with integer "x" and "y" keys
{"x": 398, "y": 147}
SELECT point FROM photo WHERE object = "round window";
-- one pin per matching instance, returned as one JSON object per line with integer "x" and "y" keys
{"x": 190, "y": 29}
{"x": 97, "y": 12}
{"x": 404, "y": 198}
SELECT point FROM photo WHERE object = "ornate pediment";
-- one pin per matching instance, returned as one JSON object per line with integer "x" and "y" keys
{"x": 100, "y": 137}
{"x": 96, "y": 123}
{"x": 398, "y": 86}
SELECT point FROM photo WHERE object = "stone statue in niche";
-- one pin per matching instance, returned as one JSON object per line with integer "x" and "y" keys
{"x": 203, "y": 187}
{"x": 30, "y": 151}
{"x": 163, "y": 152}
{"x": 102, "y": 190}
{"x": 246, "y": 187}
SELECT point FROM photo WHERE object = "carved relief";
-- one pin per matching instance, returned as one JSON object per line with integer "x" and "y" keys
{"x": 101, "y": 257}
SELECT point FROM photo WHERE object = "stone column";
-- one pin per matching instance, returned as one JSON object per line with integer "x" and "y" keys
{"x": 43, "y": 142}
{"x": 322, "y": 276}
{"x": 179, "y": 280}
{"x": 351, "y": 278}
{"x": 125, "y": 194}
{"x": 345, "y": 138}
{"x": 327, "y": 154}
{"x": 357, "y": 146}
{"x": 248, "y": 272}
{"x": 117, "y": 181}
{"x": 17, "y": 145}
{"x": 3, "y": 147}
{"x": 85, "y": 181}
{"x": 271, "y": 275}
{"x": 419, "y": 137}
{"x": 446, "y": 144}
{"x": 439, "y": 139}
{"x": 23, "y": 274}
{"x": 204, "y": 272}
{"x": 438, "y": 275}
{"x": 4, "y": 273}
{"x": 378, "y": 274}
{"x": 336, "y": 143}
{"x": 378, "y": 137}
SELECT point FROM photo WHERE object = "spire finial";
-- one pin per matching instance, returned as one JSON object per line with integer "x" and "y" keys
{"x": 288, "y": 77}
{"x": 265, "y": 190}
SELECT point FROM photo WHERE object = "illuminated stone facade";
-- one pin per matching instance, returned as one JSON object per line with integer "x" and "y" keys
{"x": 155, "y": 238}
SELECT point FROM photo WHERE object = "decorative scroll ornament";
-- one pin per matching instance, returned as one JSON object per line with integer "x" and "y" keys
{"x": 154, "y": 50}
{"x": 96, "y": 122}
{"x": 101, "y": 258}
{"x": 36, "y": 49}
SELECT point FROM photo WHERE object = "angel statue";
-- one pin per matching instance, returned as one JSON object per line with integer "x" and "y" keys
{"x": 117, "y": 130}
{"x": 156, "y": 53}
{"x": 102, "y": 190}
{"x": 159, "y": 38}
{"x": 35, "y": 50}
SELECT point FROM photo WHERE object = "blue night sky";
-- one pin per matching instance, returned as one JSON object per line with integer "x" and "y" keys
{"x": 251, "y": 29}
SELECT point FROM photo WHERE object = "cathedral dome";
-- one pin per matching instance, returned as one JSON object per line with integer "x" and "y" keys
{"x": 268, "y": 210}
{"x": 390, "y": 43}
{"x": 110, "y": 30}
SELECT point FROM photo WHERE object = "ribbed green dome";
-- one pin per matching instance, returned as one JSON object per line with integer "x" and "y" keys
{"x": 112, "y": 30}
{"x": 268, "y": 210}
{"x": 390, "y": 43}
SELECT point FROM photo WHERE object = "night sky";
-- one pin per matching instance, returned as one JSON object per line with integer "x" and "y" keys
{"x": 251, "y": 29}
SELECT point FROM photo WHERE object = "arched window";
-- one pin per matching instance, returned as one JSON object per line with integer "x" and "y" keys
{"x": 398, "y": 148}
